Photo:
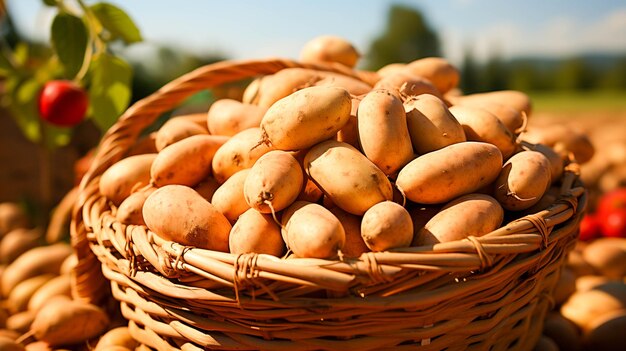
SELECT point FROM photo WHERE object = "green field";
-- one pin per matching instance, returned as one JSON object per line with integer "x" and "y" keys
{"x": 592, "y": 101}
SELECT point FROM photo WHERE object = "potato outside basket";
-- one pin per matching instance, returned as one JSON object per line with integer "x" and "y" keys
{"x": 481, "y": 293}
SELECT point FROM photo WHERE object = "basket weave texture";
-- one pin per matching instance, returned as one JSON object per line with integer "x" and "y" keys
{"x": 482, "y": 293}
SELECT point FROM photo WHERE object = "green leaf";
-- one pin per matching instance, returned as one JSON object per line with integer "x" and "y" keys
{"x": 50, "y": 2}
{"x": 69, "y": 39}
{"x": 110, "y": 90}
{"x": 24, "y": 108}
{"x": 116, "y": 22}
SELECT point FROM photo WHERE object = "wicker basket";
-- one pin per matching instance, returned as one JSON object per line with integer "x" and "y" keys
{"x": 486, "y": 293}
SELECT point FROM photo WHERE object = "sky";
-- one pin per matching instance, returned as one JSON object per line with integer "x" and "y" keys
{"x": 247, "y": 29}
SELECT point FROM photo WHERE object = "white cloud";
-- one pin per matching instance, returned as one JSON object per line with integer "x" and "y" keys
{"x": 560, "y": 36}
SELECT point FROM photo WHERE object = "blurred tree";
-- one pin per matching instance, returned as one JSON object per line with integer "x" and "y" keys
{"x": 470, "y": 72}
{"x": 614, "y": 78}
{"x": 574, "y": 74}
{"x": 407, "y": 37}
{"x": 494, "y": 75}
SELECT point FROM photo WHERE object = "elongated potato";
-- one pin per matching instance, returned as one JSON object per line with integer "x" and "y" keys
{"x": 12, "y": 216}
{"x": 349, "y": 133}
{"x": 512, "y": 98}
{"x": 524, "y": 179}
{"x": 390, "y": 69}
{"x": 40, "y": 260}
{"x": 279, "y": 85}
{"x": 178, "y": 213}
{"x": 383, "y": 132}
{"x": 22, "y": 293}
{"x": 329, "y": 48}
{"x": 130, "y": 210}
{"x": 68, "y": 322}
{"x": 176, "y": 129}
{"x": 7, "y": 344}
{"x": 229, "y": 117}
{"x": 481, "y": 125}
{"x": 229, "y": 198}
{"x": 306, "y": 117}
{"x": 57, "y": 286}
{"x": 119, "y": 180}
{"x": 473, "y": 214}
{"x": 186, "y": 162}
{"x": 513, "y": 119}
{"x": 405, "y": 85}
{"x": 385, "y": 226}
{"x": 351, "y": 181}
{"x": 241, "y": 151}
{"x": 119, "y": 336}
{"x": 352, "y": 85}
{"x": 274, "y": 182}
{"x": 556, "y": 162}
{"x": 310, "y": 230}
{"x": 447, "y": 173}
{"x": 437, "y": 70}
{"x": 430, "y": 123}
{"x": 18, "y": 241}
{"x": 256, "y": 232}
{"x": 354, "y": 245}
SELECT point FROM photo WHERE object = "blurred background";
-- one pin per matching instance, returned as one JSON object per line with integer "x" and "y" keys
{"x": 569, "y": 56}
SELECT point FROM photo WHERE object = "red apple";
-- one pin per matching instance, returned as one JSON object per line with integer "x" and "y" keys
{"x": 614, "y": 223}
{"x": 613, "y": 200}
{"x": 63, "y": 103}
{"x": 590, "y": 228}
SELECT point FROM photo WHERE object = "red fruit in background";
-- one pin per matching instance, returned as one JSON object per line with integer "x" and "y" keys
{"x": 613, "y": 200}
{"x": 613, "y": 224}
{"x": 63, "y": 103}
{"x": 590, "y": 228}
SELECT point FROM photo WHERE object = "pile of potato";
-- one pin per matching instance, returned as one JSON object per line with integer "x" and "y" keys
{"x": 317, "y": 164}
{"x": 590, "y": 297}
{"x": 36, "y": 308}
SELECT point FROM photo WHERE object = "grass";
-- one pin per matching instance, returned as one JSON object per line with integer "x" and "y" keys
{"x": 592, "y": 101}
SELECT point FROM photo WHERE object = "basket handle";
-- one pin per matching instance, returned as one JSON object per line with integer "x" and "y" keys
{"x": 121, "y": 136}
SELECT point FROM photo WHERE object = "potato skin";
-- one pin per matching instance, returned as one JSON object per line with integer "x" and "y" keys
{"x": 306, "y": 117}
{"x": 329, "y": 48}
{"x": 118, "y": 181}
{"x": 431, "y": 125}
{"x": 241, "y": 151}
{"x": 312, "y": 231}
{"x": 272, "y": 88}
{"x": 385, "y": 226}
{"x": 523, "y": 180}
{"x": 176, "y": 129}
{"x": 178, "y": 213}
{"x": 473, "y": 214}
{"x": 437, "y": 70}
{"x": 255, "y": 232}
{"x": 447, "y": 173}
{"x": 68, "y": 322}
{"x": 229, "y": 117}
{"x": 352, "y": 181}
{"x": 186, "y": 162}
{"x": 512, "y": 98}
{"x": 40, "y": 260}
{"x": 229, "y": 198}
{"x": 383, "y": 131}
{"x": 481, "y": 125}
{"x": 130, "y": 209}
{"x": 276, "y": 178}
{"x": 405, "y": 85}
